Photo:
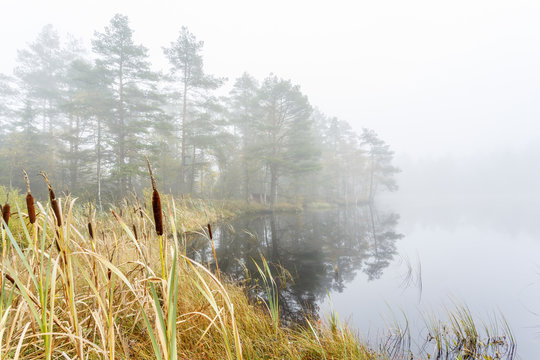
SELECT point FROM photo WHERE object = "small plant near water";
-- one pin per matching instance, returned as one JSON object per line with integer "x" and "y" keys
{"x": 271, "y": 290}
{"x": 459, "y": 337}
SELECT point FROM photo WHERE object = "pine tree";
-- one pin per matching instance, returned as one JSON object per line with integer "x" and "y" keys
{"x": 39, "y": 72}
{"x": 283, "y": 125}
{"x": 381, "y": 170}
{"x": 243, "y": 112}
{"x": 186, "y": 62}
{"x": 133, "y": 87}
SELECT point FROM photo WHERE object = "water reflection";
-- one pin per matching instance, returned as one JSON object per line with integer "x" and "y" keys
{"x": 322, "y": 250}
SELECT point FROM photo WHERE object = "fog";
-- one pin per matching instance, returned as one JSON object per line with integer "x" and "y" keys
{"x": 432, "y": 79}
{"x": 386, "y": 130}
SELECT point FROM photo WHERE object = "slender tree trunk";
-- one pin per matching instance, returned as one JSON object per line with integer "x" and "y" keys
{"x": 121, "y": 135}
{"x": 74, "y": 151}
{"x": 183, "y": 160}
{"x": 98, "y": 165}
{"x": 371, "y": 177}
{"x": 245, "y": 166}
{"x": 273, "y": 185}
{"x": 192, "y": 175}
{"x": 201, "y": 172}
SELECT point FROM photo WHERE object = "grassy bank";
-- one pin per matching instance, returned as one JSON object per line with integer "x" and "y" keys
{"x": 79, "y": 283}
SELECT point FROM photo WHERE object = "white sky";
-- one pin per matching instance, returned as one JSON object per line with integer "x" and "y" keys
{"x": 432, "y": 78}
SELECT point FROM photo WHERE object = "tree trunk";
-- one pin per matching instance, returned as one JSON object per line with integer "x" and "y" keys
{"x": 273, "y": 185}
{"x": 98, "y": 165}
{"x": 246, "y": 169}
{"x": 121, "y": 135}
{"x": 192, "y": 175}
{"x": 371, "y": 194}
{"x": 183, "y": 160}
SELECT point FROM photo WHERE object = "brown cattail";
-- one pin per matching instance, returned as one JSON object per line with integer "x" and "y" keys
{"x": 6, "y": 209}
{"x": 31, "y": 208}
{"x": 29, "y": 200}
{"x": 135, "y": 232}
{"x": 156, "y": 202}
{"x": 91, "y": 230}
{"x": 56, "y": 210}
{"x": 115, "y": 215}
{"x": 210, "y": 231}
{"x": 54, "y": 203}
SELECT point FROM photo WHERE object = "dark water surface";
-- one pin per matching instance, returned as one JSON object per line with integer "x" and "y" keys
{"x": 374, "y": 264}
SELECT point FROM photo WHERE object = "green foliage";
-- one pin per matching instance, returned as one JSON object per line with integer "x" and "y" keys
{"x": 135, "y": 108}
{"x": 271, "y": 290}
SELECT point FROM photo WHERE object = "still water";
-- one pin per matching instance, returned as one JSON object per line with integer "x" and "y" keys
{"x": 375, "y": 264}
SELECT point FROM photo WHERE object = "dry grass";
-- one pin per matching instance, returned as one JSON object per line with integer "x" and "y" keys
{"x": 68, "y": 293}
{"x": 81, "y": 284}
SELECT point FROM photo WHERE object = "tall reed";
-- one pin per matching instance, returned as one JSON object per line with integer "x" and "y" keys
{"x": 158, "y": 217}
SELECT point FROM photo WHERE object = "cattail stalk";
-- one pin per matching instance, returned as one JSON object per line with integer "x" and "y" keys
{"x": 158, "y": 217}
{"x": 156, "y": 202}
{"x": 6, "y": 212}
{"x": 63, "y": 248}
{"x": 213, "y": 249}
{"x": 31, "y": 210}
{"x": 29, "y": 200}
{"x": 54, "y": 202}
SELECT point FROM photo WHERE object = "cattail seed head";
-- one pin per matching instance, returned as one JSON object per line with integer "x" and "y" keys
{"x": 91, "y": 230}
{"x": 31, "y": 208}
{"x": 210, "y": 231}
{"x": 115, "y": 215}
{"x": 29, "y": 200}
{"x": 156, "y": 202}
{"x": 156, "y": 207}
{"x": 57, "y": 213}
{"x": 54, "y": 203}
{"x": 6, "y": 211}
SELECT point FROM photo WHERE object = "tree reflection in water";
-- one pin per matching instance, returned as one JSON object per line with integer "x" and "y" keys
{"x": 322, "y": 250}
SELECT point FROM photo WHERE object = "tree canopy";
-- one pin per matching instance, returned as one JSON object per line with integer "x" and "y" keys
{"x": 89, "y": 117}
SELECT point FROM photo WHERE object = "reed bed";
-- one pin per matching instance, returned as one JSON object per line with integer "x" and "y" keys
{"x": 80, "y": 284}
{"x": 77, "y": 283}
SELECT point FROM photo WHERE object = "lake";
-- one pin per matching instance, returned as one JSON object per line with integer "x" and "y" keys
{"x": 374, "y": 265}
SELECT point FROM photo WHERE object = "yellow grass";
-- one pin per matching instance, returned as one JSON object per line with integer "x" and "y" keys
{"x": 68, "y": 296}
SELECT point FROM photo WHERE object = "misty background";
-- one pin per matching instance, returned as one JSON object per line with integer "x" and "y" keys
{"x": 433, "y": 79}
{"x": 452, "y": 89}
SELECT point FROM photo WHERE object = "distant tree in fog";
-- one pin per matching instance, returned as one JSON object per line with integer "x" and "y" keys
{"x": 243, "y": 112}
{"x": 284, "y": 122}
{"x": 187, "y": 71}
{"x": 133, "y": 87}
{"x": 88, "y": 121}
{"x": 381, "y": 170}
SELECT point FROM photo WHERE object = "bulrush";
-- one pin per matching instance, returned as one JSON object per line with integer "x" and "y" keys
{"x": 54, "y": 203}
{"x": 90, "y": 230}
{"x": 210, "y": 231}
{"x": 158, "y": 218}
{"x": 213, "y": 249}
{"x": 6, "y": 211}
{"x": 29, "y": 200}
{"x": 156, "y": 202}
